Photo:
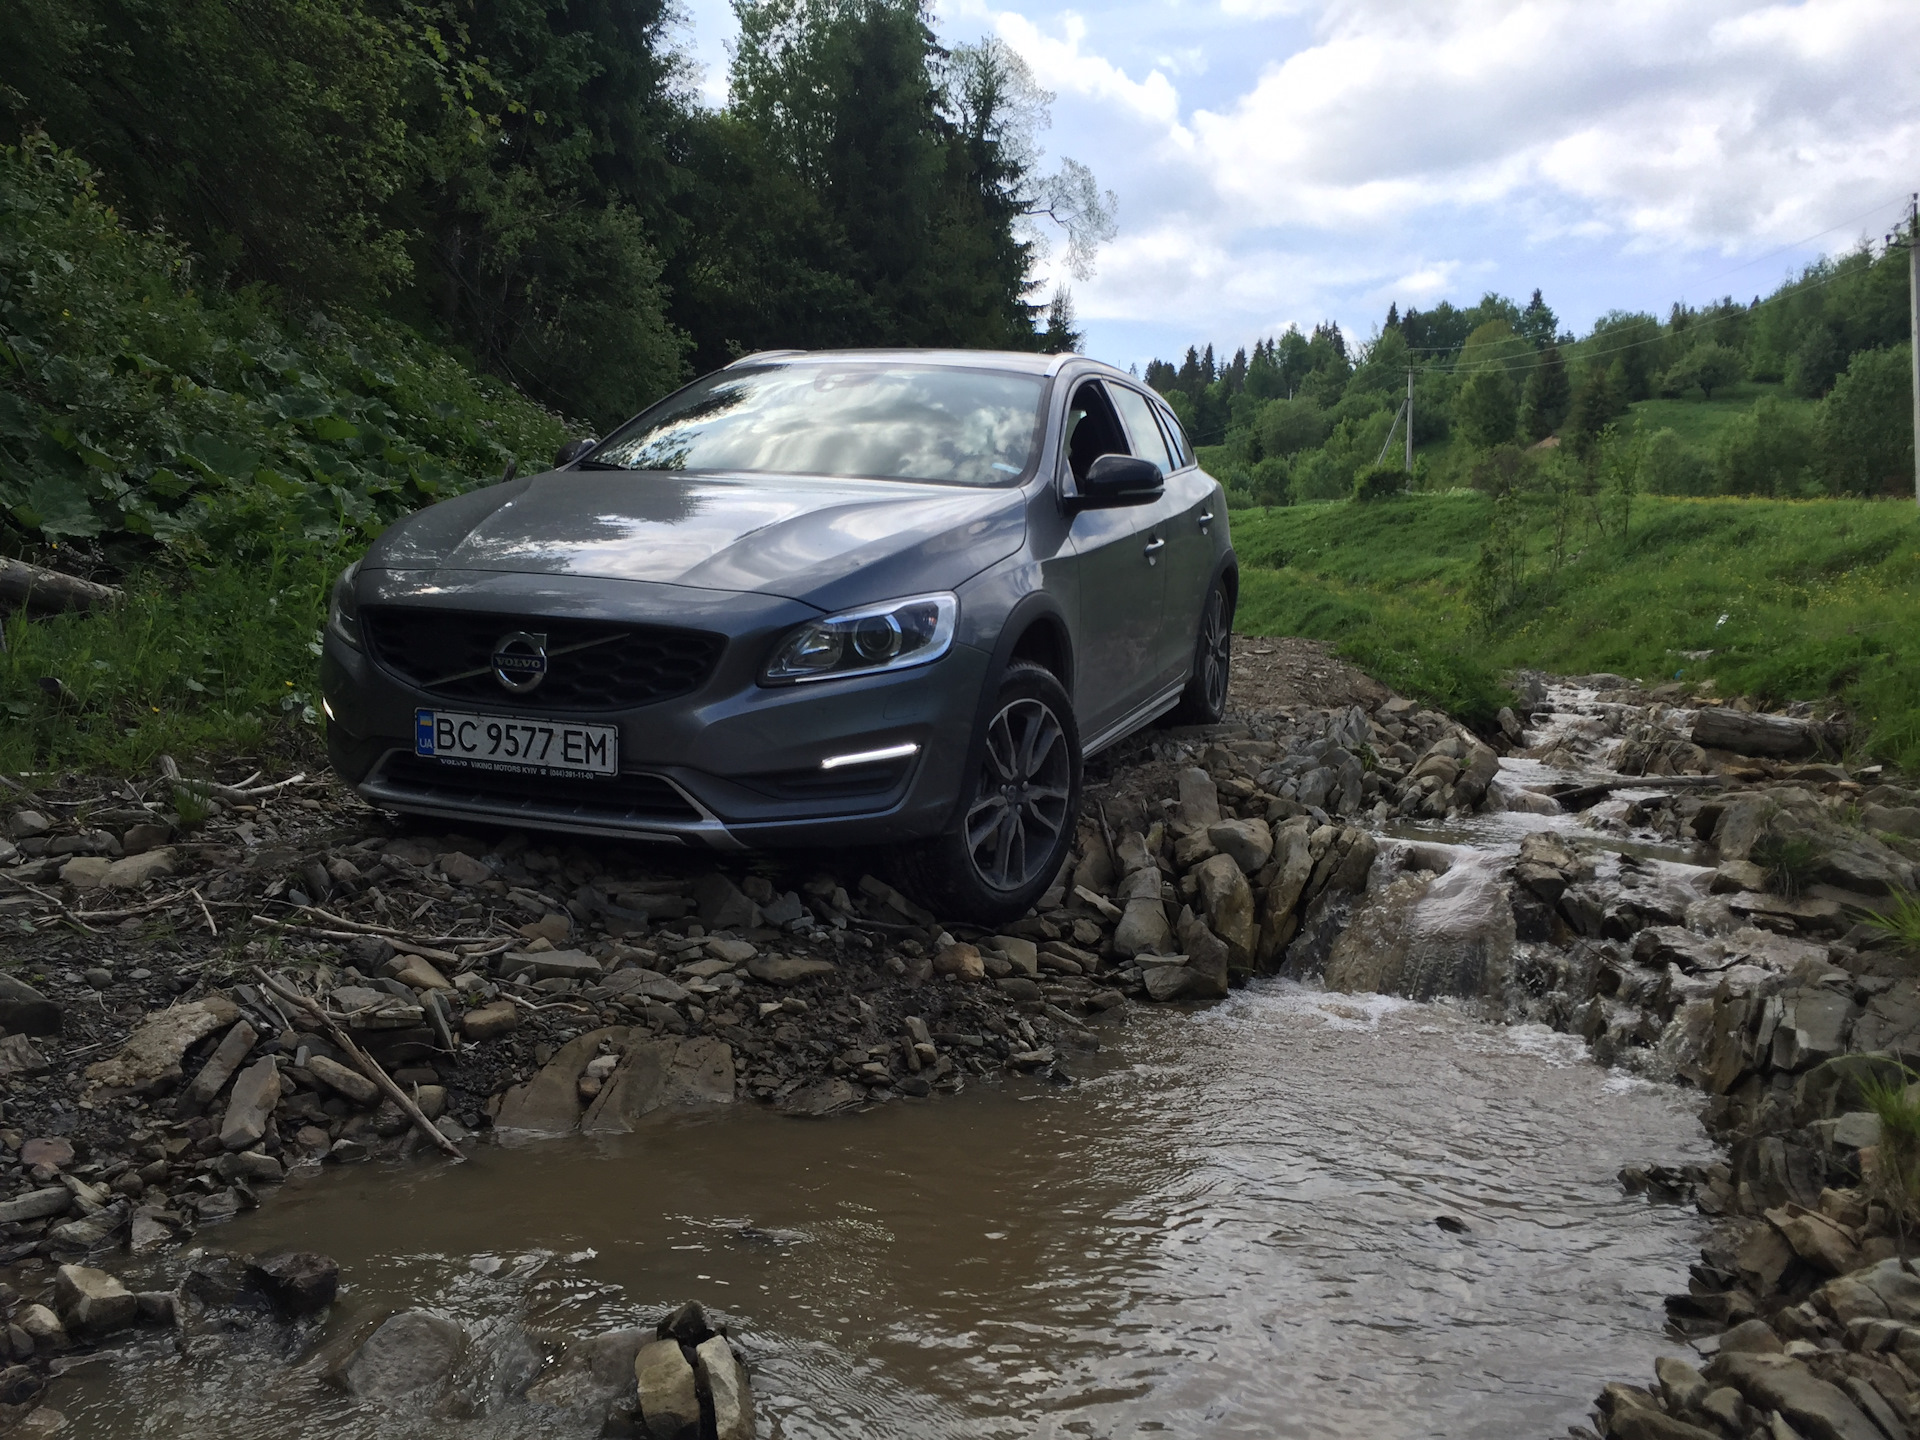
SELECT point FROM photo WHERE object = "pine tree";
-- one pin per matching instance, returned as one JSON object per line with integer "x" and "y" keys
{"x": 1548, "y": 394}
{"x": 1537, "y": 324}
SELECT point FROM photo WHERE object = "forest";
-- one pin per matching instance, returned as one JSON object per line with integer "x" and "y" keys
{"x": 1802, "y": 393}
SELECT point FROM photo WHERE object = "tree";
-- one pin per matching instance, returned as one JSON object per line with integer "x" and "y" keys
{"x": 1547, "y": 395}
{"x": 1286, "y": 427}
{"x": 1486, "y": 408}
{"x": 1538, "y": 324}
{"x": 1631, "y": 341}
{"x": 1768, "y": 451}
{"x": 1709, "y": 365}
{"x": 1865, "y": 425}
{"x": 1596, "y": 405}
{"x": 1061, "y": 337}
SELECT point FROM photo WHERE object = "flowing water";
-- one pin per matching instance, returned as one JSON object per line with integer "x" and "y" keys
{"x": 1226, "y": 1228}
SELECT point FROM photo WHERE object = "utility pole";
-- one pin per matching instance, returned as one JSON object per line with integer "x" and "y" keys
{"x": 1916, "y": 401}
{"x": 1913, "y": 328}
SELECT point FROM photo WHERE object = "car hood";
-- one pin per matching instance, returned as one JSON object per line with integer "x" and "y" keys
{"x": 826, "y": 541}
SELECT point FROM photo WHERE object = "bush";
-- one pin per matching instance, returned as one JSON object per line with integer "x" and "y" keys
{"x": 1380, "y": 482}
{"x": 1866, "y": 425}
{"x": 132, "y": 410}
{"x": 1768, "y": 451}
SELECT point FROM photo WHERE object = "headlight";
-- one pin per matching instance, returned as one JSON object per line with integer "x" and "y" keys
{"x": 892, "y": 636}
{"x": 343, "y": 608}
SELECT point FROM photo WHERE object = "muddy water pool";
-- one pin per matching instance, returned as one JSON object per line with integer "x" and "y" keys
{"x": 1227, "y": 1227}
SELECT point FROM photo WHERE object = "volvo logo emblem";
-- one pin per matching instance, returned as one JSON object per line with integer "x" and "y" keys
{"x": 520, "y": 661}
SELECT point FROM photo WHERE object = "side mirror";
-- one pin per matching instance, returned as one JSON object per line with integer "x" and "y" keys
{"x": 572, "y": 451}
{"x": 1114, "y": 480}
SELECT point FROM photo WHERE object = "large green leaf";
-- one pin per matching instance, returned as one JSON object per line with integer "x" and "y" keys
{"x": 58, "y": 508}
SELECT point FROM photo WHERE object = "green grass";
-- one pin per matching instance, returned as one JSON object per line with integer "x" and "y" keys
{"x": 1700, "y": 422}
{"x": 1818, "y": 599}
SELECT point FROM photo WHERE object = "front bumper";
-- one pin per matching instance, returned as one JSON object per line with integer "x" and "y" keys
{"x": 732, "y": 765}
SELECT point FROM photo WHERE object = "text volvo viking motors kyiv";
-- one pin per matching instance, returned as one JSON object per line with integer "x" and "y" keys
{"x": 813, "y": 599}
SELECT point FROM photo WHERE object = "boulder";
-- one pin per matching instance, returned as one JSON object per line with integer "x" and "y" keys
{"x": 484, "y": 1022}
{"x": 661, "y": 1074}
{"x": 1815, "y": 1408}
{"x": 1024, "y": 955}
{"x": 722, "y": 904}
{"x": 1208, "y": 959}
{"x": 1249, "y": 842}
{"x": 669, "y": 1391}
{"x": 212, "y": 1079}
{"x": 418, "y": 972}
{"x": 86, "y": 872}
{"x": 786, "y": 970}
{"x": 250, "y": 1108}
{"x": 592, "y": 1372}
{"x": 1820, "y": 1241}
{"x": 343, "y": 1080}
{"x": 1885, "y": 1292}
{"x": 549, "y": 1104}
{"x": 1892, "y": 820}
{"x": 299, "y": 1281}
{"x": 1143, "y": 924}
{"x": 150, "y": 1060}
{"x": 1774, "y": 736}
{"x": 25, "y": 1011}
{"x": 92, "y": 1302}
{"x": 1227, "y": 900}
{"x": 1813, "y": 1027}
{"x": 464, "y": 869}
{"x": 36, "y": 1205}
{"x": 1166, "y": 977}
{"x": 1199, "y": 805}
{"x": 725, "y": 1381}
{"x": 962, "y": 962}
{"x": 136, "y": 872}
{"x": 408, "y": 1361}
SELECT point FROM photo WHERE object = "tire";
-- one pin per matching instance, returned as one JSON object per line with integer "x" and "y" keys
{"x": 1204, "y": 701}
{"x": 993, "y": 861}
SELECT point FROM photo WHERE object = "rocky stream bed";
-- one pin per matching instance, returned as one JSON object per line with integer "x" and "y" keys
{"x": 218, "y": 988}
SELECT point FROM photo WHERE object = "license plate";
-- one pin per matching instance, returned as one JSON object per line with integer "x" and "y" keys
{"x": 501, "y": 742}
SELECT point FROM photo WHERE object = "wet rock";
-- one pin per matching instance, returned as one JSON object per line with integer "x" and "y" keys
{"x": 1734, "y": 876}
{"x": 1424, "y": 938}
{"x": 92, "y": 1302}
{"x": 43, "y": 1327}
{"x": 788, "y": 969}
{"x": 1166, "y": 977}
{"x": 725, "y": 1381}
{"x": 1545, "y": 866}
{"x": 409, "y": 1361}
{"x": 150, "y": 1060}
{"x": 1227, "y": 900}
{"x": 1813, "y": 1027}
{"x": 1632, "y": 1422}
{"x": 300, "y": 1282}
{"x": 1817, "y": 1409}
{"x": 25, "y": 1011}
{"x": 1248, "y": 842}
{"x": 593, "y": 1371}
{"x": 822, "y": 1097}
{"x": 662, "y": 1074}
{"x": 549, "y": 1104}
{"x": 669, "y": 1392}
{"x": 212, "y": 1079}
{"x": 343, "y": 1080}
{"x": 1821, "y": 1242}
{"x": 250, "y": 1108}
{"x": 485, "y": 1022}
{"x": 1208, "y": 957}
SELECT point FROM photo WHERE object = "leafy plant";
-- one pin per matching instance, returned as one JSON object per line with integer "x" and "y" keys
{"x": 1896, "y": 1170}
{"x": 1901, "y": 920}
{"x": 1788, "y": 860}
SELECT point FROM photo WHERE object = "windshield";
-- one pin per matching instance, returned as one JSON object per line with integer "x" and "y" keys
{"x": 873, "y": 421}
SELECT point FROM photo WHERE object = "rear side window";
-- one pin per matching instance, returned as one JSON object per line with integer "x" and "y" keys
{"x": 1175, "y": 436}
{"x": 1137, "y": 411}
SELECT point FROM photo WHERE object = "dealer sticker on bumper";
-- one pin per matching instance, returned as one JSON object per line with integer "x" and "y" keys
{"x": 500, "y": 742}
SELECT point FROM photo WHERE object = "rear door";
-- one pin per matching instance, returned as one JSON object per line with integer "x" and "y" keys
{"x": 1186, "y": 527}
{"x": 1121, "y": 581}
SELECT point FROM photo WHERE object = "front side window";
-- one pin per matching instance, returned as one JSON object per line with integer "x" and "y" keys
{"x": 857, "y": 420}
{"x": 1142, "y": 429}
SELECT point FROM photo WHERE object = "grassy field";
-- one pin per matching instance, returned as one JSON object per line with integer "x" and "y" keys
{"x": 1794, "y": 599}
{"x": 1699, "y": 422}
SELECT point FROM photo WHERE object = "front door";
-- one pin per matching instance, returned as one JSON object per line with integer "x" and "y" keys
{"x": 1122, "y": 580}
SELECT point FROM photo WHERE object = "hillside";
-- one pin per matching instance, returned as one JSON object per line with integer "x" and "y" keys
{"x": 1439, "y": 594}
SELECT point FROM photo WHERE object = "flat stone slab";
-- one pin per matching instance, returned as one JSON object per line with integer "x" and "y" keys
{"x": 150, "y": 1060}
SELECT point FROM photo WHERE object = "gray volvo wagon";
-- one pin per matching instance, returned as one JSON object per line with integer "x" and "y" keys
{"x": 831, "y": 598}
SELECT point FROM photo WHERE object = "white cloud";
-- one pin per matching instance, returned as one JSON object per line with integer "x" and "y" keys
{"x": 1059, "y": 63}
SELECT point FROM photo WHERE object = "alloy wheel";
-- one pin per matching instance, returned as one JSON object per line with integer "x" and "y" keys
{"x": 1216, "y": 651}
{"x": 1021, "y": 796}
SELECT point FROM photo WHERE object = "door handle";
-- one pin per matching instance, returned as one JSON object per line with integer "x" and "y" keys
{"x": 1206, "y": 518}
{"x": 1154, "y": 547}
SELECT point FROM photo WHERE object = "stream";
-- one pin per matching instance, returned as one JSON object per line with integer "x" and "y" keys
{"x": 1230, "y": 1225}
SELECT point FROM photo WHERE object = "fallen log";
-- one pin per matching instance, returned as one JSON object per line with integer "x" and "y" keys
{"x": 1776, "y": 736}
{"x": 49, "y": 590}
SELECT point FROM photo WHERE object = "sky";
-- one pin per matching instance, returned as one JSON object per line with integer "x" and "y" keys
{"x": 1283, "y": 162}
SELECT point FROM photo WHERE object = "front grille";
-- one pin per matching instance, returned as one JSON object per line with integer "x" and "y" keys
{"x": 591, "y": 665}
{"x": 637, "y": 798}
